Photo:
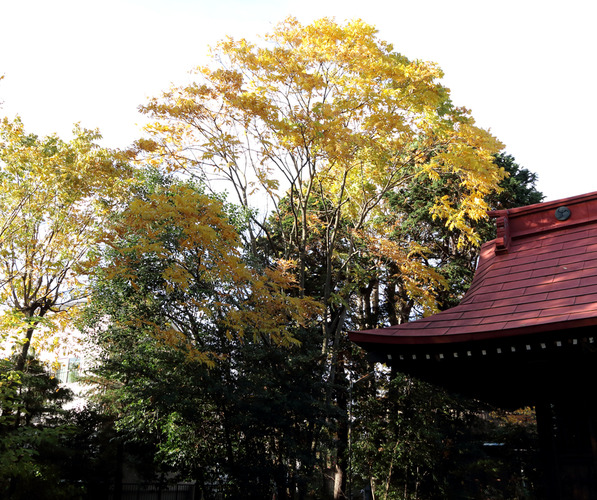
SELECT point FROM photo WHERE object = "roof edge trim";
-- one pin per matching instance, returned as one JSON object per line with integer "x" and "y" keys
{"x": 368, "y": 337}
{"x": 544, "y": 205}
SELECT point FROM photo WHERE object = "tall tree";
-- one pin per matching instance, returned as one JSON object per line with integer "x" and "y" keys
{"x": 34, "y": 432}
{"x": 324, "y": 121}
{"x": 196, "y": 346}
{"x": 54, "y": 196}
{"x": 322, "y": 112}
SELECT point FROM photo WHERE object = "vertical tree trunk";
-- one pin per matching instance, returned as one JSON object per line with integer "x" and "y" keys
{"x": 391, "y": 298}
{"x": 118, "y": 472}
{"x": 338, "y": 482}
{"x": 389, "y": 478}
{"x": 375, "y": 304}
{"x": 22, "y": 357}
{"x": 365, "y": 294}
{"x": 343, "y": 432}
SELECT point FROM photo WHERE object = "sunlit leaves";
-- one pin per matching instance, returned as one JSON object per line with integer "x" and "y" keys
{"x": 176, "y": 246}
{"x": 54, "y": 196}
{"x": 324, "y": 111}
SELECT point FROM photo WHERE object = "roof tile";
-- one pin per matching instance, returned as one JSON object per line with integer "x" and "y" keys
{"x": 588, "y": 281}
{"x": 533, "y": 306}
{"x": 524, "y": 299}
{"x": 590, "y": 297}
{"x": 573, "y": 292}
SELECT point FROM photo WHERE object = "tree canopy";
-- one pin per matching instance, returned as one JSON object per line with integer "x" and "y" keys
{"x": 324, "y": 111}
{"x": 172, "y": 299}
{"x": 313, "y": 130}
{"x": 54, "y": 196}
{"x": 310, "y": 183}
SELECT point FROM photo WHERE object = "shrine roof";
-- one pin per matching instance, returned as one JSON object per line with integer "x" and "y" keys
{"x": 539, "y": 275}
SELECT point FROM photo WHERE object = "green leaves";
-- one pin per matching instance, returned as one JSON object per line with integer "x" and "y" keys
{"x": 29, "y": 452}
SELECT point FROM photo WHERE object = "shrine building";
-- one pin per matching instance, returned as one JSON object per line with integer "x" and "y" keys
{"x": 525, "y": 334}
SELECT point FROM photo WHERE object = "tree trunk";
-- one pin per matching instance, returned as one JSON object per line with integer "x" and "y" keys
{"x": 338, "y": 481}
{"x": 389, "y": 478}
{"x": 343, "y": 434}
{"x": 118, "y": 471}
{"x": 391, "y": 298}
{"x": 22, "y": 357}
{"x": 375, "y": 304}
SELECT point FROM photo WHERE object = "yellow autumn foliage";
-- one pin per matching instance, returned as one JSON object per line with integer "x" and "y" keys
{"x": 54, "y": 197}
{"x": 195, "y": 265}
{"x": 324, "y": 114}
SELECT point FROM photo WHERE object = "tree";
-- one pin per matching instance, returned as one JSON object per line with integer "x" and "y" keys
{"x": 323, "y": 112}
{"x": 447, "y": 251}
{"x": 194, "y": 344}
{"x": 34, "y": 432}
{"x": 54, "y": 196}
{"x": 326, "y": 121}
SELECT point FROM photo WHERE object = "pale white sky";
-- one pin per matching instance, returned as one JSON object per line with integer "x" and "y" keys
{"x": 527, "y": 69}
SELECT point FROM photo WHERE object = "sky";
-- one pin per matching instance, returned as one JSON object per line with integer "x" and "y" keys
{"x": 526, "y": 69}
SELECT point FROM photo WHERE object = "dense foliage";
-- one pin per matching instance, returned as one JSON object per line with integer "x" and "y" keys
{"x": 54, "y": 197}
{"x": 215, "y": 329}
{"x": 196, "y": 346}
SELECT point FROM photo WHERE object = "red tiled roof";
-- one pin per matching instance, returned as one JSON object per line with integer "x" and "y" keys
{"x": 538, "y": 275}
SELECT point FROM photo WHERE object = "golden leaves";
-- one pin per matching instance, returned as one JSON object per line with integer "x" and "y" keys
{"x": 194, "y": 261}
{"x": 198, "y": 226}
{"x": 270, "y": 310}
{"x": 332, "y": 117}
{"x": 420, "y": 280}
{"x": 54, "y": 196}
